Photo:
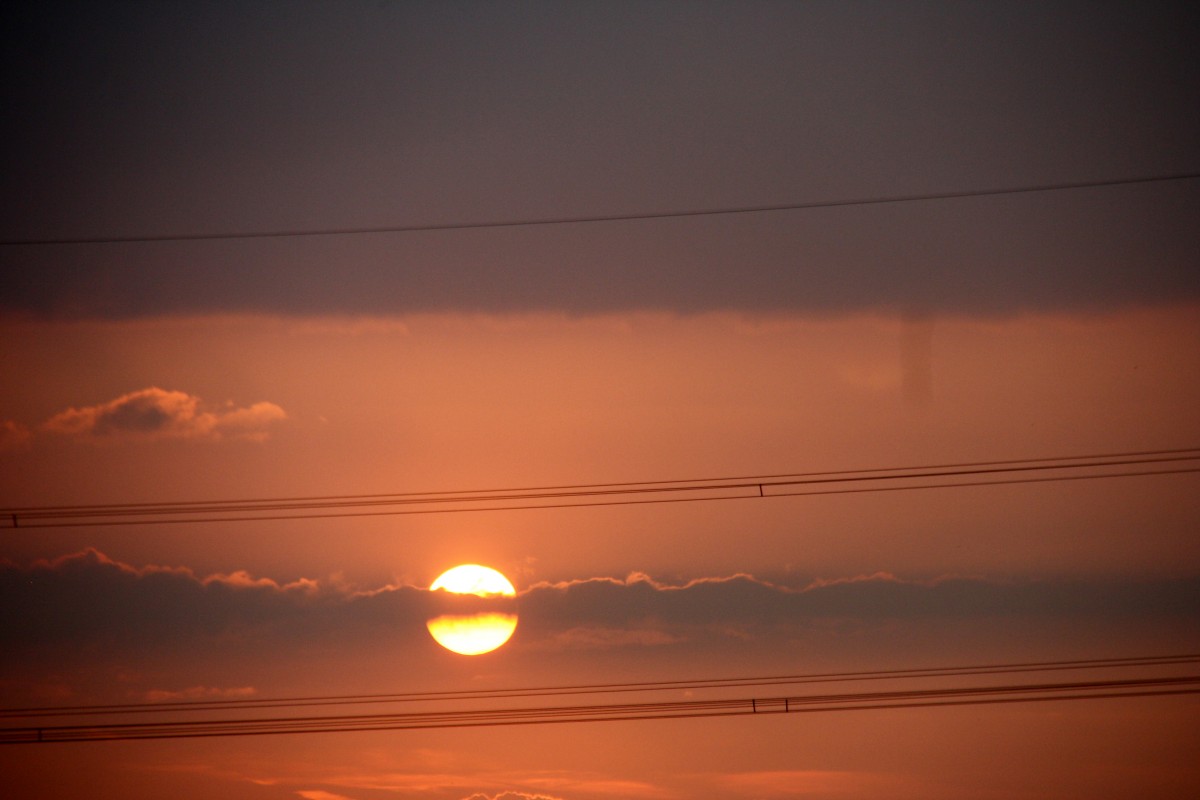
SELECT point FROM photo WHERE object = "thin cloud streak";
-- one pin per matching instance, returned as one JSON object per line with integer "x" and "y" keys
{"x": 200, "y": 693}
{"x": 803, "y": 783}
{"x": 320, "y": 794}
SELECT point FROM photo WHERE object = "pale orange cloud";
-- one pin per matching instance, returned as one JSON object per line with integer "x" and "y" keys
{"x": 802, "y": 783}
{"x": 556, "y": 785}
{"x": 155, "y": 413}
{"x": 243, "y": 579}
{"x": 13, "y": 435}
{"x": 405, "y": 783}
{"x": 319, "y": 794}
{"x": 594, "y": 783}
{"x": 200, "y": 693}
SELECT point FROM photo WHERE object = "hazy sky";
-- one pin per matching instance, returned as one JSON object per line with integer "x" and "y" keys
{"x": 1013, "y": 326}
{"x": 131, "y": 120}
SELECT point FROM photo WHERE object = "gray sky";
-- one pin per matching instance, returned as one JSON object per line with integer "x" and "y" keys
{"x": 130, "y": 119}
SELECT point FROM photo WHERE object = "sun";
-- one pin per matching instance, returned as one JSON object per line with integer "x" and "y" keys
{"x": 473, "y": 579}
{"x": 473, "y": 634}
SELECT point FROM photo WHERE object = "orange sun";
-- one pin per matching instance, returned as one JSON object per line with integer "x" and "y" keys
{"x": 473, "y": 634}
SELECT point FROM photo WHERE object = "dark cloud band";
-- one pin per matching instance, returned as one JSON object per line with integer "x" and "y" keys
{"x": 88, "y": 597}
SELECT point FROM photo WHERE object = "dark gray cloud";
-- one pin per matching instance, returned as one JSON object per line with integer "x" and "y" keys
{"x": 746, "y": 603}
{"x": 128, "y": 120}
{"x": 88, "y": 600}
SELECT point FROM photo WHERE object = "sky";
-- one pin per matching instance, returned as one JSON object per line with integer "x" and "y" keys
{"x": 151, "y": 351}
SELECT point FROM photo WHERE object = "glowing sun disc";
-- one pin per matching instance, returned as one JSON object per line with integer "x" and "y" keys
{"x": 473, "y": 634}
{"x": 474, "y": 579}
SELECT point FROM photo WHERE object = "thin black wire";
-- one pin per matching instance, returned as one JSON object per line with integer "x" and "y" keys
{"x": 969, "y": 695}
{"x": 1124, "y": 662}
{"x": 77, "y": 516}
{"x": 442, "y": 719}
{"x": 598, "y": 504}
{"x": 23, "y": 737}
{"x": 546, "y": 221}
{"x": 748, "y": 480}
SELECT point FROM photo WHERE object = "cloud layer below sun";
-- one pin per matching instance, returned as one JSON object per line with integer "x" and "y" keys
{"x": 155, "y": 413}
{"x": 88, "y": 597}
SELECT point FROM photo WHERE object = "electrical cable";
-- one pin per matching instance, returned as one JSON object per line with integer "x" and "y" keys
{"x": 578, "y": 220}
{"x": 193, "y": 706}
{"x": 911, "y": 698}
{"x": 969, "y": 474}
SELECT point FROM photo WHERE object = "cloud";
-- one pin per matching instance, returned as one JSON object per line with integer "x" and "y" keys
{"x": 319, "y": 794}
{"x": 804, "y": 783}
{"x": 406, "y": 783}
{"x": 13, "y": 435}
{"x": 640, "y": 612}
{"x": 591, "y": 783}
{"x": 470, "y": 784}
{"x": 155, "y": 413}
{"x": 200, "y": 693}
{"x": 87, "y": 597}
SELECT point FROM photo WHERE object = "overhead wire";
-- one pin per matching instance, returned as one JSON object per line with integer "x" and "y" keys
{"x": 599, "y": 218}
{"x": 845, "y": 701}
{"x": 938, "y": 476}
{"x": 195, "y": 706}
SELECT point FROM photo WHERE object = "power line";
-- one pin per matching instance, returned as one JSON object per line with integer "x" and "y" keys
{"x": 856, "y": 701}
{"x": 578, "y": 220}
{"x": 700, "y": 684}
{"x": 944, "y": 476}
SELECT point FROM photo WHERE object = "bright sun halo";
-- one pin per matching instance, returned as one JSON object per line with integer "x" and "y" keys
{"x": 473, "y": 634}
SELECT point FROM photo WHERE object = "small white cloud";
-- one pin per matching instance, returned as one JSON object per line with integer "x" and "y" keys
{"x": 156, "y": 413}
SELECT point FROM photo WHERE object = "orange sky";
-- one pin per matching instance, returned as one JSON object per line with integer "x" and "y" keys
{"x": 438, "y": 402}
{"x": 449, "y": 402}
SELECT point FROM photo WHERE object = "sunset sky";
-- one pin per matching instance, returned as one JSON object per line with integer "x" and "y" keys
{"x": 139, "y": 365}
